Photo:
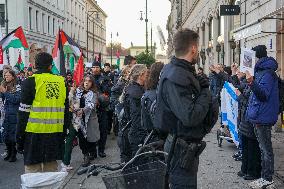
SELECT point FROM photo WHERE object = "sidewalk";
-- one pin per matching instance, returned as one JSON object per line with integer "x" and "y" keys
{"x": 278, "y": 147}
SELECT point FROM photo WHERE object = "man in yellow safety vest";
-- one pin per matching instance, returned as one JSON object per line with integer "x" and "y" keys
{"x": 40, "y": 132}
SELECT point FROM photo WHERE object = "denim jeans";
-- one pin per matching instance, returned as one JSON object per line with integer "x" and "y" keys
{"x": 263, "y": 134}
{"x": 181, "y": 178}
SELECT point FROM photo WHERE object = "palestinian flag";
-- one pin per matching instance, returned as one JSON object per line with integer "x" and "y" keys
{"x": 20, "y": 63}
{"x": 79, "y": 71}
{"x": 15, "y": 39}
{"x": 63, "y": 45}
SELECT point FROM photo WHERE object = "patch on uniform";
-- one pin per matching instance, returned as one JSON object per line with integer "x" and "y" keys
{"x": 52, "y": 90}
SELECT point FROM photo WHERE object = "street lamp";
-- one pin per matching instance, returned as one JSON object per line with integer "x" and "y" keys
{"x": 220, "y": 40}
{"x": 203, "y": 56}
{"x": 88, "y": 19}
{"x": 111, "y": 46}
{"x": 146, "y": 21}
{"x": 233, "y": 46}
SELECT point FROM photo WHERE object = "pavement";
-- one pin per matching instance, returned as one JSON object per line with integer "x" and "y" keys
{"x": 217, "y": 169}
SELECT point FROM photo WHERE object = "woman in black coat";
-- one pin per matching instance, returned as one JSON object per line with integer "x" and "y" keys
{"x": 132, "y": 106}
{"x": 251, "y": 157}
{"x": 10, "y": 94}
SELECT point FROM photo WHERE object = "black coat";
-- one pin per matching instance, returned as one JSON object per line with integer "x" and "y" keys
{"x": 38, "y": 148}
{"x": 182, "y": 104}
{"x": 146, "y": 102}
{"x": 245, "y": 128}
{"x": 11, "y": 106}
{"x": 132, "y": 105}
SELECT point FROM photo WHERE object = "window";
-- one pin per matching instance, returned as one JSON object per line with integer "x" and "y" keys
{"x": 48, "y": 25}
{"x": 37, "y": 23}
{"x": 53, "y": 26}
{"x": 43, "y": 23}
{"x": 76, "y": 9}
{"x": 30, "y": 18}
{"x": 2, "y": 15}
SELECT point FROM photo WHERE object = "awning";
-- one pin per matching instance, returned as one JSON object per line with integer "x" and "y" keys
{"x": 247, "y": 31}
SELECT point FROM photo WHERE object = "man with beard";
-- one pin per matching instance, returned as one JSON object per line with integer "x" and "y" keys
{"x": 104, "y": 86}
{"x": 183, "y": 100}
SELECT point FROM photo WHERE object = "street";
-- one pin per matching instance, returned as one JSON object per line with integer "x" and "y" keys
{"x": 217, "y": 169}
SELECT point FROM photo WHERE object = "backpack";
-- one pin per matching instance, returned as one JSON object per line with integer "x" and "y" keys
{"x": 212, "y": 115}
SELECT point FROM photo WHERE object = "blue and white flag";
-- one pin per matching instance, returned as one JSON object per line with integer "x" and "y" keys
{"x": 229, "y": 109}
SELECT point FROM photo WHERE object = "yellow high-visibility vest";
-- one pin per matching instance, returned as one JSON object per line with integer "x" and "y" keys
{"x": 47, "y": 111}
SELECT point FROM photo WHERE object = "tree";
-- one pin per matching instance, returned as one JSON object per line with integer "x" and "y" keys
{"x": 144, "y": 58}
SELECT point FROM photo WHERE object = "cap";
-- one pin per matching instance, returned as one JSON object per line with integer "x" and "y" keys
{"x": 96, "y": 63}
{"x": 260, "y": 51}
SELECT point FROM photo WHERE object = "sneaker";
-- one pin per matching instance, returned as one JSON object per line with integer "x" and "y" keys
{"x": 237, "y": 154}
{"x": 65, "y": 168}
{"x": 239, "y": 158}
{"x": 260, "y": 184}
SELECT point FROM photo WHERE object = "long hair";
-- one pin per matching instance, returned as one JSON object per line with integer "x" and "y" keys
{"x": 136, "y": 71}
{"x": 11, "y": 86}
{"x": 94, "y": 85}
{"x": 154, "y": 75}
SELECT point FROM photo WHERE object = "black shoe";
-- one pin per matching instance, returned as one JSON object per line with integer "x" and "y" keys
{"x": 9, "y": 152}
{"x": 93, "y": 155}
{"x": 238, "y": 158}
{"x": 250, "y": 177}
{"x": 13, "y": 154}
{"x": 241, "y": 174}
{"x": 102, "y": 154}
{"x": 86, "y": 161}
{"x": 236, "y": 155}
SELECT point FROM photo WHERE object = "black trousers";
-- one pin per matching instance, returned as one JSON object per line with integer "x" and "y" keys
{"x": 110, "y": 120}
{"x": 251, "y": 159}
{"x": 85, "y": 146}
{"x": 103, "y": 124}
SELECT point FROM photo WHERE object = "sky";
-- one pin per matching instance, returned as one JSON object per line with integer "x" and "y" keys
{"x": 124, "y": 18}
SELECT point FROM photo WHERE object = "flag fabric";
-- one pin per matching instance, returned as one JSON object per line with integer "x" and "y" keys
{"x": 15, "y": 39}
{"x": 72, "y": 63}
{"x": 229, "y": 109}
{"x": 63, "y": 45}
{"x": 79, "y": 71}
{"x": 20, "y": 63}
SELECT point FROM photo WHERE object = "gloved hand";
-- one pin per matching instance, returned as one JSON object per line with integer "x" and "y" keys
{"x": 20, "y": 148}
{"x": 203, "y": 82}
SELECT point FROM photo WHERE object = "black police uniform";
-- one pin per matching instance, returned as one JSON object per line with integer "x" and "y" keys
{"x": 103, "y": 89}
{"x": 182, "y": 104}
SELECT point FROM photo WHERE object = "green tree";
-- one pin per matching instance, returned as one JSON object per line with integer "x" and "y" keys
{"x": 144, "y": 58}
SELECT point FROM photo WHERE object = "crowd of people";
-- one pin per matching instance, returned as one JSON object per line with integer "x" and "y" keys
{"x": 45, "y": 115}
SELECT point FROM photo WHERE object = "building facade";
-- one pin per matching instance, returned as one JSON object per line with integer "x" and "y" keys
{"x": 41, "y": 20}
{"x": 222, "y": 37}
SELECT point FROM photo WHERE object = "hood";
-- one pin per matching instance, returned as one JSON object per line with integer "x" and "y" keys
{"x": 266, "y": 63}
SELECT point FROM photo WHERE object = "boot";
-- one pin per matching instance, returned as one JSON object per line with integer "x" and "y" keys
{"x": 93, "y": 155}
{"x": 86, "y": 161}
{"x": 9, "y": 152}
{"x": 13, "y": 153}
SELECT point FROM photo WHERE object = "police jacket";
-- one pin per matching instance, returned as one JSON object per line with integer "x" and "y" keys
{"x": 181, "y": 103}
{"x": 38, "y": 147}
{"x": 132, "y": 109}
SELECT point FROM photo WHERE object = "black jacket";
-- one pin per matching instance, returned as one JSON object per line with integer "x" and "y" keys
{"x": 181, "y": 104}
{"x": 132, "y": 108}
{"x": 245, "y": 128}
{"x": 146, "y": 102}
{"x": 38, "y": 148}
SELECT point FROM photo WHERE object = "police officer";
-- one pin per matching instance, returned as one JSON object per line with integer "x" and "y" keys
{"x": 104, "y": 86}
{"x": 40, "y": 132}
{"x": 182, "y": 102}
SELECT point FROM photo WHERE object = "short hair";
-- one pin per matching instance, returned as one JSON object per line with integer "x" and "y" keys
{"x": 128, "y": 59}
{"x": 136, "y": 71}
{"x": 43, "y": 60}
{"x": 200, "y": 68}
{"x": 183, "y": 41}
{"x": 107, "y": 64}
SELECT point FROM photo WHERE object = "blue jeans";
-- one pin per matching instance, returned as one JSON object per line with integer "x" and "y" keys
{"x": 263, "y": 134}
{"x": 181, "y": 178}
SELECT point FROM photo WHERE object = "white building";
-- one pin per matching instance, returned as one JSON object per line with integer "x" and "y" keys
{"x": 41, "y": 20}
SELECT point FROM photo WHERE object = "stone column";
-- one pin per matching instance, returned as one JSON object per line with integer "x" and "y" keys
{"x": 228, "y": 51}
{"x": 215, "y": 37}
{"x": 206, "y": 66}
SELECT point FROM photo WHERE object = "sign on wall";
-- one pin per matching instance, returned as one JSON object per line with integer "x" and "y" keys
{"x": 229, "y": 10}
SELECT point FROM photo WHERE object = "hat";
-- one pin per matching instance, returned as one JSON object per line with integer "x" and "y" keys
{"x": 68, "y": 72}
{"x": 96, "y": 63}
{"x": 260, "y": 51}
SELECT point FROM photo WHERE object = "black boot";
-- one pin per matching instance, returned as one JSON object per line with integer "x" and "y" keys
{"x": 13, "y": 153}
{"x": 9, "y": 152}
{"x": 93, "y": 155}
{"x": 86, "y": 161}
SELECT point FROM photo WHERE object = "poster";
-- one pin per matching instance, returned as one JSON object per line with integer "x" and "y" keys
{"x": 247, "y": 61}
